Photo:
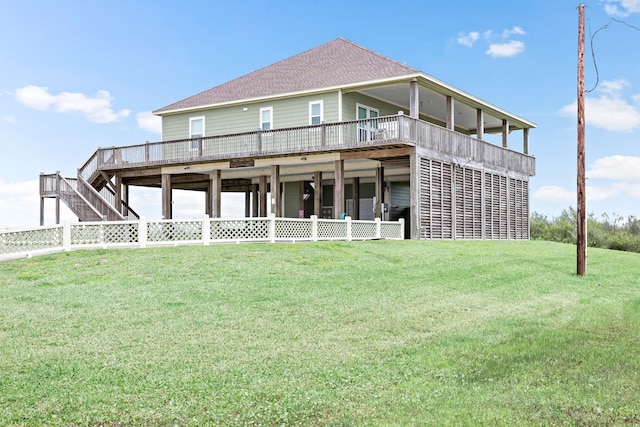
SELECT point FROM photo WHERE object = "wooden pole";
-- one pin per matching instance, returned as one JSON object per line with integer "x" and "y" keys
{"x": 581, "y": 220}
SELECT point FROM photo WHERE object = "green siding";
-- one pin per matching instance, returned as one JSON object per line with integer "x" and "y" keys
{"x": 290, "y": 112}
{"x": 351, "y": 100}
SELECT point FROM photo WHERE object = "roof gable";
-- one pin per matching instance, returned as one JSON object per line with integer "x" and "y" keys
{"x": 338, "y": 62}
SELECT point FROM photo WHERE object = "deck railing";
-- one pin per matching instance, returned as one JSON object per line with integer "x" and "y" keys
{"x": 381, "y": 131}
{"x": 20, "y": 243}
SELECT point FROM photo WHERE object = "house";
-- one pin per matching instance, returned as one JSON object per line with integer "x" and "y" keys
{"x": 336, "y": 130}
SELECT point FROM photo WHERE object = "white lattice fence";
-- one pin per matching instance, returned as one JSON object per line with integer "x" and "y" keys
{"x": 363, "y": 230}
{"x": 20, "y": 241}
{"x": 169, "y": 231}
{"x": 293, "y": 229}
{"x": 329, "y": 229}
{"x": 103, "y": 233}
{"x": 250, "y": 229}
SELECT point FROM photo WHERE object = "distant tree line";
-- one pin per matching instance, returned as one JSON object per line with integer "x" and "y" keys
{"x": 607, "y": 231}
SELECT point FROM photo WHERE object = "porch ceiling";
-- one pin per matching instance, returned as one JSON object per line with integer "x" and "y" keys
{"x": 434, "y": 105}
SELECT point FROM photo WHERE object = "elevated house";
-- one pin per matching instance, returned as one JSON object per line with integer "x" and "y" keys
{"x": 336, "y": 130}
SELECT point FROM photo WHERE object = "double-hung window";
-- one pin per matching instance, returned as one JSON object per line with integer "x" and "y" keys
{"x": 196, "y": 131}
{"x": 266, "y": 118}
{"x": 316, "y": 113}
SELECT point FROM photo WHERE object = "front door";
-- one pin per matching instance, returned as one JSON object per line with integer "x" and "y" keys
{"x": 367, "y": 125}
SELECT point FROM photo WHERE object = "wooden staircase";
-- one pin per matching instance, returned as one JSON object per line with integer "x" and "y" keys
{"x": 87, "y": 203}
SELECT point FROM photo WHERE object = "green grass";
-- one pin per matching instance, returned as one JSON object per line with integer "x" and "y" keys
{"x": 346, "y": 333}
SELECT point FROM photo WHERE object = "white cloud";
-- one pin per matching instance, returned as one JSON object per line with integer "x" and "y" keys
{"x": 608, "y": 178}
{"x": 9, "y": 119}
{"x": 609, "y": 110}
{"x": 149, "y": 122}
{"x": 616, "y": 168}
{"x": 505, "y": 50}
{"x": 625, "y": 8}
{"x": 468, "y": 39}
{"x": 515, "y": 30}
{"x": 96, "y": 109}
{"x": 554, "y": 193}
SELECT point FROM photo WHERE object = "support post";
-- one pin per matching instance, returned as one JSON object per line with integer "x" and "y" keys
{"x": 275, "y": 190}
{"x": 379, "y": 191}
{"x": 355, "y": 197}
{"x": 338, "y": 189}
{"x": 57, "y": 209}
{"x": 118, "y": 186}
{"x": 525, "y": 141}
{"x": 414, "y": 203}
{"x": 255, "y": 212}
{"x": 41, "y": 211}
{"x": 317, "y": 194}
{"x": 215, "y": 178}
{"x": 166, "y": 196}
{"x": 262, "y": 188}
{"x": 247, "y": 203}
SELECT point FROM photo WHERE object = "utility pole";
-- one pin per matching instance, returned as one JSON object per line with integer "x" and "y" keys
{"x": 581, "y": 188}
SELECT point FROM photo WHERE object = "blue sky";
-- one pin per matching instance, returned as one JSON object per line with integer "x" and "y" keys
{"x": 78, "y": 75}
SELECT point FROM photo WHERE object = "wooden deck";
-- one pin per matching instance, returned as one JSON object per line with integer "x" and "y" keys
{"x": 356, "y": 136}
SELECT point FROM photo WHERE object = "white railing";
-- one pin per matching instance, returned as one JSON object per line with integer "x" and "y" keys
{"x": 21, "y": 243}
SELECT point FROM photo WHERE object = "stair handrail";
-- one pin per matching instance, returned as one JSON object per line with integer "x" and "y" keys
{"x": 108, "y": 210}
{"x": 133, "y": 215}
{"x": 63, "y": 180}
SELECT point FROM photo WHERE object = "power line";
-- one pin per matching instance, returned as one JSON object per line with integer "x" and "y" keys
{"x": 593, "y": 51}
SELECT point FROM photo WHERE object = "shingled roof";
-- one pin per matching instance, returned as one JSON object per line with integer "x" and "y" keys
{"x": 336, "y": 63}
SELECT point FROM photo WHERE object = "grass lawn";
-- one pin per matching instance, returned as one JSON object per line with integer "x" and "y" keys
{"x": 342, "y": 333}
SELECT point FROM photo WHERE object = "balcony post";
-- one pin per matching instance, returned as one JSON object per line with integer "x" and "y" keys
{"x": 451, "y": 125}
{"x": 480, "y": 124}
{"x": 525, "y": 142}
{"x": 505, "y": 133}
{"x": 414, "y": 100}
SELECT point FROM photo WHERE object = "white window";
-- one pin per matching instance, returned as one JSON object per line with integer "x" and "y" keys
{"x": 367, "y": 124}
{"x": 196, "y": 130}
{"x": 266, "y": 118}
{"x": 316, "y": 113}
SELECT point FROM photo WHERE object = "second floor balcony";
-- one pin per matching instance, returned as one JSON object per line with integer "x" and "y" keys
{"x": 359, "y": 135}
